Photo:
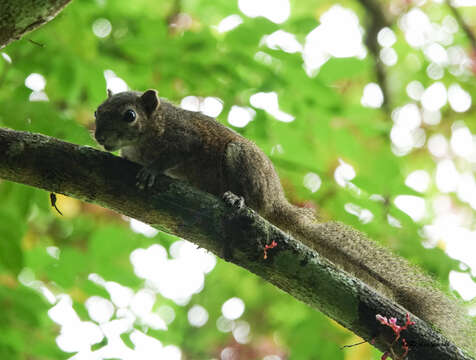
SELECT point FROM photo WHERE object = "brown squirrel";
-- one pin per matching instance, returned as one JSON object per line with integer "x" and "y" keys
{"x": 194, "y": 147}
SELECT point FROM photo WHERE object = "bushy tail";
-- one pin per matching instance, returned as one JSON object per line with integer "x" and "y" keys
{"x": 386, "y": 272}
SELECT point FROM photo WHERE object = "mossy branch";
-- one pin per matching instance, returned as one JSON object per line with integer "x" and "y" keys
{"x": 99, "y": 177}
{"x": 18, "y": 17}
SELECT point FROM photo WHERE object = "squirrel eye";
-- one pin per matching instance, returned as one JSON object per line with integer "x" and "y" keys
{"x": 129, "y": 116}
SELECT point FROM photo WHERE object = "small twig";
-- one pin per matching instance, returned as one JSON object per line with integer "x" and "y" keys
{"x": 53, "y": 203}
{"x": 36, "y": 43}
{"x": 352, "y": 345}
{"x": 463, "y": 25}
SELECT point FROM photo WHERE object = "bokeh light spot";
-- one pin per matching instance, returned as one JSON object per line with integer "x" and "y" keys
{"x": 102, "y": 27}
{"x": 233, "y": 308}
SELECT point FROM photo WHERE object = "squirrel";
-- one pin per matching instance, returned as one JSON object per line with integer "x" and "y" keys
{"x": 187, "y": 145}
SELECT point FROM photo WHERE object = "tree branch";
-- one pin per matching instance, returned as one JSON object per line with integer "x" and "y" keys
{"x": 173, "y": 206}
{"x": 20, "y": 17}
{"x": 469, "y": 33}
{"x": 376, "y": 20}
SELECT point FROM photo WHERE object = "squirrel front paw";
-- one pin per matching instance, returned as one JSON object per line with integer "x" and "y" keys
{"x": 146, "y": 178}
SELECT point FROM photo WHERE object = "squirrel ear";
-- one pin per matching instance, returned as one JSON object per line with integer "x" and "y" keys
{"x": 109, "y": 93}
{"x": 150, "y": 100}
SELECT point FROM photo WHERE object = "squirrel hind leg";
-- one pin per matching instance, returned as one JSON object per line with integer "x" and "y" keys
{"x": 248, "y": 173}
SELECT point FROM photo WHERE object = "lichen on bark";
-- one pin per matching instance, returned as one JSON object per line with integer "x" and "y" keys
{"x": 18, "y": 17}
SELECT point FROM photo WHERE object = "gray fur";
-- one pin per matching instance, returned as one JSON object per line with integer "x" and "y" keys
{"x": 194, "y": 147}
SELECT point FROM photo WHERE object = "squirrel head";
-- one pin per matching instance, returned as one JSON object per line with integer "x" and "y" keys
{"x": 123, "y": 118}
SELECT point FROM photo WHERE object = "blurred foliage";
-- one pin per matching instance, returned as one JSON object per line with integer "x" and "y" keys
{"x": 331, "y": 126}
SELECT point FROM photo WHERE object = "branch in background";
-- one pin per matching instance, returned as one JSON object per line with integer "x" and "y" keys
{"x": 177, "y": 20}
{"x": 175, "y": 9}
{"x": 376, "y": 20}
{"x": 99, "y": 177}
{"x": 18, "y": 19}
{"x": 174, "y": 12}
{"x": 463, "y": 25}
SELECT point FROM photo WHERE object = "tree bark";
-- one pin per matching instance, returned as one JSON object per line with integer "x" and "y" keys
{"x": 175, "y": 207}
{"x": 18, "y": 17}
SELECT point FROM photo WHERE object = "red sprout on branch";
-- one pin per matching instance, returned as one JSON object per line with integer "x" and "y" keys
{"x": 267, "y": 247}
{"x": 397, "y": 329}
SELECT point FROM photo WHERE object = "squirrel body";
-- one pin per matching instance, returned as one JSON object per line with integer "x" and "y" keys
{"x": 188, "y": 145}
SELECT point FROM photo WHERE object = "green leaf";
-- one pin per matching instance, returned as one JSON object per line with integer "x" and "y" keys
{"x": 12, "y": 230}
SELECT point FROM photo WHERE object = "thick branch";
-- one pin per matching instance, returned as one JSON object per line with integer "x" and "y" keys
{"x": 18, "y": 17}
{"x": 175, "y": 207}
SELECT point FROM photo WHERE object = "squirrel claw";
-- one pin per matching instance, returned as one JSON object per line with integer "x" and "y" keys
{"x": 233, "y": 200}
{"x": 145, "y": 178}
